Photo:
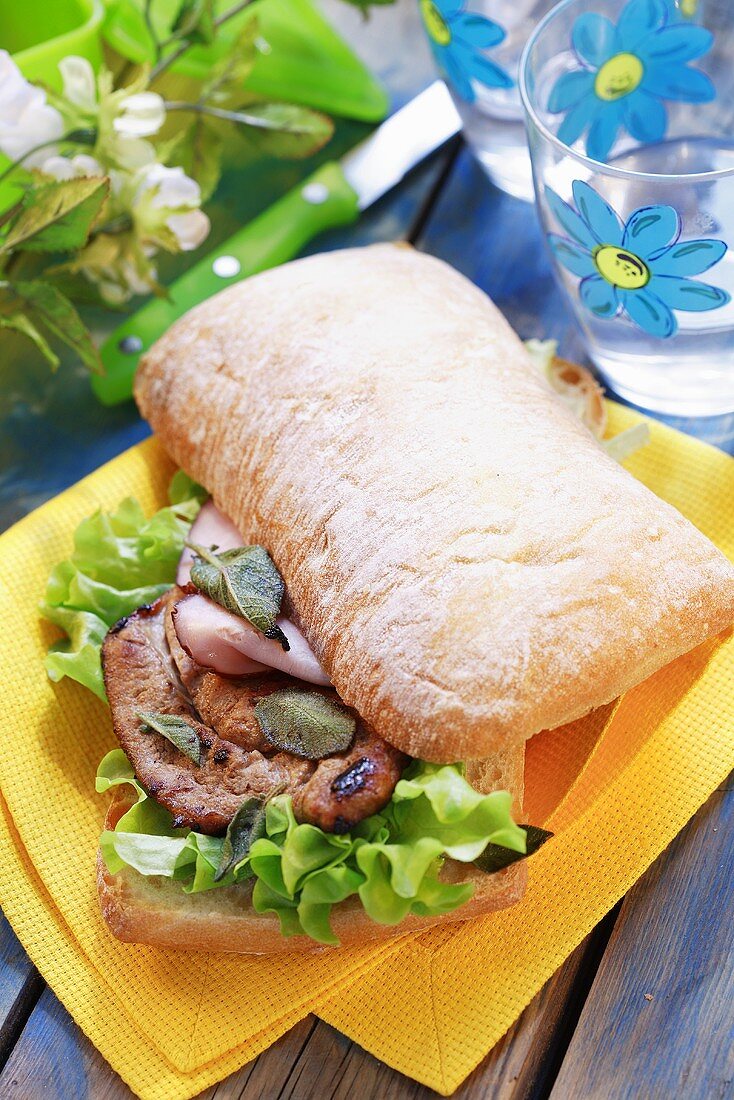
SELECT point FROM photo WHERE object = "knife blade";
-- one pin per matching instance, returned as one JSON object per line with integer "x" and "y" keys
{"x": 332, "y": 196}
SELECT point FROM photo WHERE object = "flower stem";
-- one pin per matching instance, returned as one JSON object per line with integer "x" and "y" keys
{"x": 36, "y": 149}
{"x": 157, "y": 46}
{"x": 72, "y": 136}
{"x": 11, "y": 211}
{"x": 173, "y": 57}
{"x": 242, "y": 117}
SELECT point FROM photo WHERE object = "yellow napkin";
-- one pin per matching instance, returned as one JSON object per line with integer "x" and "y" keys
{"x": 616, "y": 791}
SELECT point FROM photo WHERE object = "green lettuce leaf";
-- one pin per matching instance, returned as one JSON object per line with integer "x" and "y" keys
{"x": 146, "y": 839}
{"x": 390, "y": 862}
{"x": 121, "y": 560}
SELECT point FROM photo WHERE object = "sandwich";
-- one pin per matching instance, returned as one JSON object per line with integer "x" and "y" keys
{"x": 412, "y": 558}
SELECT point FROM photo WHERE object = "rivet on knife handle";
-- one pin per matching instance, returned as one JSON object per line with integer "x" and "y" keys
{"x": 325, "y": 200}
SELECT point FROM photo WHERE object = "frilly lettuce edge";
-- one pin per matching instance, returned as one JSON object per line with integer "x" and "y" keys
{"x": 121, "y": 560}
{"x": 391, "y": 861}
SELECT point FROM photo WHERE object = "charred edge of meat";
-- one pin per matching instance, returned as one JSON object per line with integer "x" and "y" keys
{"x": 141, "y": 612}
{"x": 354, "y": 778}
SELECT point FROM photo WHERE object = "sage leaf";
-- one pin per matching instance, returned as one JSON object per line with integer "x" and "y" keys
{"x": 46, "y": 303}
{"x": 247, "y": 826}
{"x": 305, "y": 723}
{"x": 58, "y": 216}
{"x": 495, "y": 857}
{"x": 243, "y": 581}
{"x": 175, "y": 729}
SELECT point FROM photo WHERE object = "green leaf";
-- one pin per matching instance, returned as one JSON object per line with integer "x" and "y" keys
{"x": 284, "y": 129}
{"x": 495, "y": 857}
{"x": 231, "y": 71}
{"x": 58, "y": 216}
{"x": 175, "y": 729}
{"x": 197, "y": 148}
{"x": 247, "y": 826}
{"x": 305, "y": 723}
{"x": 195, "y": 21}
{"x": 245, "y": 582}
{"x": 77, "y": 656}
{"x": 121, "y": 560}
{"x": 47, "y": 304}
{"x": 21, "y": 322}
{"x": 127, "y": 32}
{"x": 183, "y": 488}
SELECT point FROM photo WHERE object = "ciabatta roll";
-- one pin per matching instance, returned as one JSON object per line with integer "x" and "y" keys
{"x": 464, "y": 559}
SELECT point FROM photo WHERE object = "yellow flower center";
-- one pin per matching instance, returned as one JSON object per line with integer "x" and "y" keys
{"x": 621, "y": 268}
{"x": 688, "y": 7}
{"x": 618, "y": 76}
{"x": 435, "y": 23}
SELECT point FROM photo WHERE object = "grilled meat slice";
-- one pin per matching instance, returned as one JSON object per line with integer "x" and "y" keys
{"x": 227, "y": 703}
{"x": 344, "y": 788}
{"x": 141, "y": 675}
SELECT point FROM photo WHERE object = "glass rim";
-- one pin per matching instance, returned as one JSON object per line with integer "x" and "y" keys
{"x": 598, "y": 167}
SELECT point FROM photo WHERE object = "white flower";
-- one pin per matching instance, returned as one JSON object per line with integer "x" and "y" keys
{"x": 130, "y": 153}
{"x": 90, "y": 102}
{"x": 140, "y": 115}
{"x": 189, "y": 229}
{"x": 69, "y": 168}
{"x": 80, "y": 84}
{"x": 26, "y": 119}
{"x": 118, "y": 265}
{"x": 119, "y": 282}
{"x": 166, "y": 209}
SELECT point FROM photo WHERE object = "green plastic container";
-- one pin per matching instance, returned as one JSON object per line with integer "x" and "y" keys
{"x": 306, "y": 61}
{"x": 38, "y": 33}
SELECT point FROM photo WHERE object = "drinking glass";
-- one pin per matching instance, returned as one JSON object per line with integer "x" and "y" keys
{"x": 477, "y": 46}
{"x": 630, "y": 114}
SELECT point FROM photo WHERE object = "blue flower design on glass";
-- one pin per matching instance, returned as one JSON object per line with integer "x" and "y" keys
{"x": 629, "y": 69}
{"x": 683, "y": 9}
{"x": 457, "y": 38}
{"x": 639, "y": 268}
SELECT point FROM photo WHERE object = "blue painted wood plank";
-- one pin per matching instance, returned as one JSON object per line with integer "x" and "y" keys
{"x": 496, "y": 241}
{"x": 658, "y": 1022}
{"x": 54, "y": 1060}
{"x": 20, "y": 988}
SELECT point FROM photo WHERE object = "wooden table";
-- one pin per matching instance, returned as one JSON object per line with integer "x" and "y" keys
{"x": 643, "y": 1008}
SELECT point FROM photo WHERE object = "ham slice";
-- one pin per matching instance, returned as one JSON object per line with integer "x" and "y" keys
{"x": 217, "y": 639}
{"x": 220, "y": 640}
{"x": 210, "y": 528}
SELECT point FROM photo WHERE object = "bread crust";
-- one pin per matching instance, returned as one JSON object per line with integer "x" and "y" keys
{"x": 467, "y": 563}
{"x": 156, "y": 911}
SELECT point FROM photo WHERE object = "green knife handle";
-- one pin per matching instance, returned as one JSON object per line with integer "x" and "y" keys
{"x": 323, "y": 201}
